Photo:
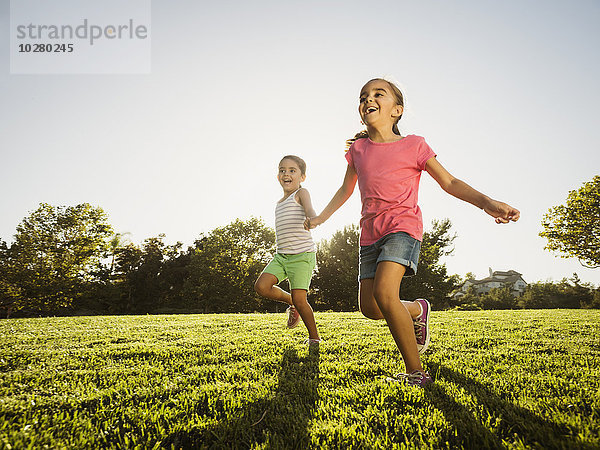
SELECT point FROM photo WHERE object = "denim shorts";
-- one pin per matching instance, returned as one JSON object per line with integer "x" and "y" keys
{"x": 398, "y": 247}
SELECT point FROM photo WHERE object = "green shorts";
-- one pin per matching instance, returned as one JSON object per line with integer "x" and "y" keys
{"x": 297, "y": 269}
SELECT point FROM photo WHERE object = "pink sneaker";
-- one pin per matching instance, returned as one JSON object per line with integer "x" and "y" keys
{"x": 421, "y": 324}
{"x": 293, "y": 317}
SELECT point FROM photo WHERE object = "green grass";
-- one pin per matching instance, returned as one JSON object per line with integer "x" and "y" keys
{"x": 504, "y": 379}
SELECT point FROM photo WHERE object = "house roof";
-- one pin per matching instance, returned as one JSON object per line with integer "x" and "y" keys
{"x": 499, "y": 273}
{"x": 509, "y": 277}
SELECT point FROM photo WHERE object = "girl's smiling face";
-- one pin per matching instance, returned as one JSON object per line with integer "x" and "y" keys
{"x": 289, "y": 175}
{"x": 377, "y": 104}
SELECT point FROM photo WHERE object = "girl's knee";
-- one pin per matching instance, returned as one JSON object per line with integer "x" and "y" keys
{"x": 371, "y": 313}
{"x": 261, "y": 288}
{"x": 383, "y": 298}
{"x": 380, "y": 294}
{"x": 368, "y": 307}
{"x": 299, "y": 299}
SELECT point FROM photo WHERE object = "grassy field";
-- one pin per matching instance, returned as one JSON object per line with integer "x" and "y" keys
{"x": 503, "y": 379}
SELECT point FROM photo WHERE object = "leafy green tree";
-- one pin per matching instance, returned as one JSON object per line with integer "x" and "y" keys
{"x": 104, "y": 295}
{"x": 579, "y": 295}
{"x": 142, "y": 274}
{"x": 10, "y": 292}
{"x": 336, "y": 279}
{"x": 174, "y": 274}
{"x": 498, "y": 298}
{"x": 148, "y": 283}
{"x": 57, "y": 250}
{"x": 595, "y": 302}
{"x": 573, "y": 229}
{"x": 470, "y": 301}
{"x": 468, "y": 276}
{"x": 128, "y": 260}
{"x": 225, "y": 264}
{"x": 432, "y": 280}
{"x": 541, "y": 296}
{"x": 567, "y": 293}
{"x": 117, "y": 241}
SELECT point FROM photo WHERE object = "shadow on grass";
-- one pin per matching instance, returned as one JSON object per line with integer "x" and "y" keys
{"x": 280, "y": 420}
{"x": 515, "y": 423}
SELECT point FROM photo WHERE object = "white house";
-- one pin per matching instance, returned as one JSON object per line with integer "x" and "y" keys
{"x": 497, "y": 279}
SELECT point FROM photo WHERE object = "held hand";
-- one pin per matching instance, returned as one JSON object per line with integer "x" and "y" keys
{"x": 312, "y": 222}
{"x": 502, "y": 212}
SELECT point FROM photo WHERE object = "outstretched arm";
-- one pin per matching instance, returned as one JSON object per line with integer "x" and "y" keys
{"x": 502, "y": 212}
{"x": 339, "y": 198}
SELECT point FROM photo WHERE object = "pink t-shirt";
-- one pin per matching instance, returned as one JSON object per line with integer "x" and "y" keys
{"x": 388, "y": 179}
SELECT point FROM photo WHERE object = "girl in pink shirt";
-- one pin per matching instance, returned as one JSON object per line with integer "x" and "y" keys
{"x": 388, "y": 168}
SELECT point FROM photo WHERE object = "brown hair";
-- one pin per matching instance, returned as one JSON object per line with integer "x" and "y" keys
{"x": 399, "y": 101}
{"x": 297, "y": 160}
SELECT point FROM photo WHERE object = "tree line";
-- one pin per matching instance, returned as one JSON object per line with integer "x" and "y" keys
{"x": 68, "y": 260}
{"x": 568, "y": 293}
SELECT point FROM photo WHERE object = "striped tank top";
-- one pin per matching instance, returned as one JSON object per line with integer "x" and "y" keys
{"x": 290, "y": 236}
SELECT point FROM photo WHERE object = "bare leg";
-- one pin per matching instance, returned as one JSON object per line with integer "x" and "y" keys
{"x": 368, "y": 305}
{"x": 301, "y": 304}
{"x": 385, "y": 288}
{"x": 265, "y": 286}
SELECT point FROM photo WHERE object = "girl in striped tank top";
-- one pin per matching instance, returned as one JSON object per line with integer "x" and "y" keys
{"x": 295, "y": 259}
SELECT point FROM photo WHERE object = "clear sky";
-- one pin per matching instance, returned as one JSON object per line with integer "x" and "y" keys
{"x": 506, "y": 93}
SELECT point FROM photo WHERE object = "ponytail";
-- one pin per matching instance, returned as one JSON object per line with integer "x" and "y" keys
{"x": 363, "y": 134}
